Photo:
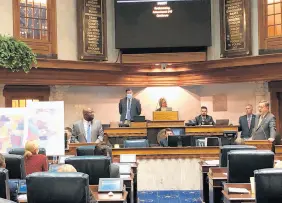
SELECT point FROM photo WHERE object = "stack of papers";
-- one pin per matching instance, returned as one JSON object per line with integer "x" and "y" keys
{"x": 238, "y": 190}
{"x": 212, "y": 162}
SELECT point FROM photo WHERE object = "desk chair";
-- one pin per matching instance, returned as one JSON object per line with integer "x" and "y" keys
{"x": 47, "y": 187}
{"x": 242, "y": 164}
{"x": 15, "y": 166}
{"x": 4, "y": 187}
{"x": 224, "y": 150}
{"x": 20, "y": 151}
{"x": 138, "y": 143}
{"x": 6, "y": 201}
{"x": 85, "y": 151}
{"x": 95, "y": 166}
{"x": 268, "y": 184}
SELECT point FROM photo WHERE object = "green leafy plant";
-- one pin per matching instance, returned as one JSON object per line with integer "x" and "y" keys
{"x": 15, "y": 55}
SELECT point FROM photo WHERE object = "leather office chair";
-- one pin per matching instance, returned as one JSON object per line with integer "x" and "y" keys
{"x": 47, "y": 187}
{"x": 15, "y": 166}
{"x": 6, "y": 201}
{"x": 95, "y": 166}
{"x": 20, "y": 151}
{"x": 242, "y": 164}
{"x": 85, "y": 151}
{"x": 4, "y": 187}
{"x": 138, "y": 143}
{"x": 268, "y": 184}
{"x": 227, "y": 148}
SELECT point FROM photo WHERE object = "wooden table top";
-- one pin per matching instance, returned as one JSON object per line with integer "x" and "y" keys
{"x": 238, "y": 197}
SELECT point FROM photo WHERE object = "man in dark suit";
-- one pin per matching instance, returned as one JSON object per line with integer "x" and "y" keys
{"x": 164, "y": 136}
{"x": 129, "y": 107}
{"x": 88, "y": 129}
{"x": 204, "y": 118}
{"x": 13, "y": 187}
{"x": 265, "y": 126}
{"x": 247, "y": 122}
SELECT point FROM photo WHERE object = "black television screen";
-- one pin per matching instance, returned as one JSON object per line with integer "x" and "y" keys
{"x": 162, "y": 24}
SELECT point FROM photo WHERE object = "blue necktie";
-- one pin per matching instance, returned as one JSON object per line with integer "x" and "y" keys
{"x": 89, "y": 133}
{"x": 128, "y": 110}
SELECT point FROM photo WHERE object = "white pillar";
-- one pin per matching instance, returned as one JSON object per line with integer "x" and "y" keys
{"x": 254, "y": 27}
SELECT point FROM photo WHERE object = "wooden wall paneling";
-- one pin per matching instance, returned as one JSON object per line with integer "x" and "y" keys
{"x": 164, "y": 57}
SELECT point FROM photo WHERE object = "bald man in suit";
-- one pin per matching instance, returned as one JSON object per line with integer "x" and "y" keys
{"x": 88, "y": 129}
{"x": 265, "y": 126}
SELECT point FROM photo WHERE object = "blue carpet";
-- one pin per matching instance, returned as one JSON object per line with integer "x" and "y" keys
{"x": 170, "y": 196}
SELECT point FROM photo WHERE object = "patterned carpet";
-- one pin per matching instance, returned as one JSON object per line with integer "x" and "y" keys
{"x": 173, "y": 196}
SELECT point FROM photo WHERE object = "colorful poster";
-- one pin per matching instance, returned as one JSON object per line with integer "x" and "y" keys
{"x": 12, "y": 128}
{"x": 46, "y": 125}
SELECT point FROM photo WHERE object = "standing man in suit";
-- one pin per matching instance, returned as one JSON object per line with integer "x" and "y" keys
{"x": 247, "y": 122}
{"x": 129, "y": 107}
{"x": 88, "y": 129}
{"x": 204, "y": 118}
{"x": 265, "y": 126}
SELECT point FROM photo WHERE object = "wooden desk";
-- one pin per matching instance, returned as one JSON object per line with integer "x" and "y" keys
{"x": 209, "y": 130}
{"x": 216, "y": 177}
{"x": 238, "y": 198}
{"x": 260, "y": 144}
{"x": 126, "y": 132}
{"x": 105, "y": 197}
{"x": 166, "y": 124}
{"x": 204, "y": 185}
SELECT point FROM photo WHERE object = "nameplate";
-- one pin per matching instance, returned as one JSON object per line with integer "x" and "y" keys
{"x": 91, "y": 25}
{"x": 235, "y": 28}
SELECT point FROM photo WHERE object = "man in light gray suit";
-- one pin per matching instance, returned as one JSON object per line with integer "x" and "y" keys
{"x": 129, "y": 107}
{"x": 88, "y": 129}
{"x": 265, "y": 126}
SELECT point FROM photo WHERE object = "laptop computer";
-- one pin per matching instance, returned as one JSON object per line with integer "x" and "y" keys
{"x": 222, "y": 122}
{"x": 110, "y": 185}
{"x": 21, "y": 185}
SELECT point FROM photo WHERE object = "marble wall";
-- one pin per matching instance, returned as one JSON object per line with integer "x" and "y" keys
{"x": 186, "y": 100}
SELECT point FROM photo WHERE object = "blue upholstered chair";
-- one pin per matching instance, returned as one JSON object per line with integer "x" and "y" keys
{"x": 138, "y": 143}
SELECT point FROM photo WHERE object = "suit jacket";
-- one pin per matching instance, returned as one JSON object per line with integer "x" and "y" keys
{"x": 135, "y": 108}
{"x": 266, "y": 129}
{"x": 97, "y": 133}
{"x": 208, "y": 120}
{"x": 243, "y": 126}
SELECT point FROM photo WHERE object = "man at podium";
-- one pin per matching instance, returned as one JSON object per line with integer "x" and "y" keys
{"x": 204, "y": 118}
{"x": 88, "y": 129}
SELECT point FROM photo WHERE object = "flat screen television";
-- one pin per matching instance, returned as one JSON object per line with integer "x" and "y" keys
{"x": 162, "y": 24}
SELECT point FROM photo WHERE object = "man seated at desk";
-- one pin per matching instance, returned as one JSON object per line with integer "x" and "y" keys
{"x": 163, "y": 135}
{"x": 88, "y": 129}
{"x": 204, "y": 119}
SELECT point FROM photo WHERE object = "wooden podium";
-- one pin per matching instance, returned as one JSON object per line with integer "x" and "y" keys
{"x": 260, "y": 144}
{"x": 165, "y": 115}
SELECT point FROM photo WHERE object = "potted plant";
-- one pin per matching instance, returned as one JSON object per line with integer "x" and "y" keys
{"x": 15, "y": 55}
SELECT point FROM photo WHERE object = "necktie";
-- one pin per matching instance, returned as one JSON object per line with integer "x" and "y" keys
{"x": 249, "y": 122}
{"x": 128, "y": 110}
{"x": 260, "y": 119}
{"x": 88, "y": 133}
